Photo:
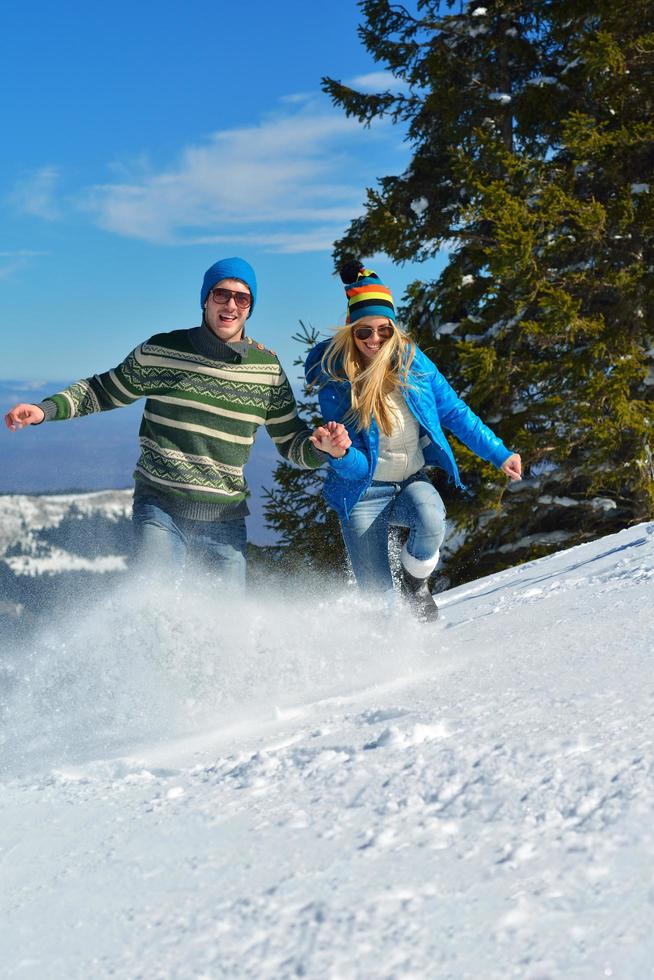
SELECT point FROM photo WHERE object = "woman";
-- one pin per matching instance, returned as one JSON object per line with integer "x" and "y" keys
{"x": 393, "y": 401}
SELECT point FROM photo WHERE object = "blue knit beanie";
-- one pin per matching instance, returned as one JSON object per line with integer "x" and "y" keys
{"x": 233, "y": 268}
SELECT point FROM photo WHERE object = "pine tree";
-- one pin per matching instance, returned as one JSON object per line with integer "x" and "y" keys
{"x": 532, "y": 134}
{"x": 310, "y": 539}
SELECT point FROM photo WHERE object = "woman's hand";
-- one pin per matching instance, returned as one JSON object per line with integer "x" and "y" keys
{"x": 21, "y": 415}
{"x": 332, "y": 438}
{"x": 512, "y": 467}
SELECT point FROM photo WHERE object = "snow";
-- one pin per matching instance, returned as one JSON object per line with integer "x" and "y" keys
{"x": 24, "y": 515}
{"x": 547, "y": 538}
{"x": 502, "y": 97}
{"x": 447, "y": 328}
{"x": 542, "y": 80}
{"x": 302, "y": 786}
{"x": 59, "y": 560}
{"x": 419, "y": 206}
{"x": 597, "y": 503}
{"x": 571, "y": 64}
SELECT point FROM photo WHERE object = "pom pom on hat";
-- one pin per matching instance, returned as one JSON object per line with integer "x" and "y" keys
{"x": 349, "y": 271}
{"x": 366, "y": 293}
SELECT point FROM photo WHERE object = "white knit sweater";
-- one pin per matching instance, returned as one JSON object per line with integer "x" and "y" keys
{"x": 400, "y": 454}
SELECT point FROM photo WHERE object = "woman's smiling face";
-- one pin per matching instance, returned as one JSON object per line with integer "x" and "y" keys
{"x": 369, "y": 344}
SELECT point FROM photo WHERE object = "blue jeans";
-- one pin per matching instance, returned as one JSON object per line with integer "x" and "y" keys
{"x": 414, "y": 504}
{"x": 169, "y": 543}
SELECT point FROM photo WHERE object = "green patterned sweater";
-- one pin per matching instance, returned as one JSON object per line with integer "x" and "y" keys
{"x": 204, "y": 402}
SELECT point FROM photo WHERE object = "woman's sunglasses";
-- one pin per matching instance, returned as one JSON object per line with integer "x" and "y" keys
{"x": 364, "y": 333}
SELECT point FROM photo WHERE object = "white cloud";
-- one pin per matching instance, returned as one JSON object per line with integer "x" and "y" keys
{"x": 7, "y": 269}
{"x": 319, "y": 239}
{"x": 35, "y": 194}
{"x": 378, "y": 81}
{"x": 13, "y": 261}
{"x": 20, "y": 253}
{"x": 297, "y": 97}
{"x": 288, "y": 182}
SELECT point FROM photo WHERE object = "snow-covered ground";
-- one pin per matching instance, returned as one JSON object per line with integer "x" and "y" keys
{"x": 193, "y": 787}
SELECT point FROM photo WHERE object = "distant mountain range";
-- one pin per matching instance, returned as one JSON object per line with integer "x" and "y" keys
{"x": 99, "y": 453}
{"x": 58, "y": 547}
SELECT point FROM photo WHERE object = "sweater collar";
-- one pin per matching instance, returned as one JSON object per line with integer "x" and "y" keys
{"x": 206, "y": 343}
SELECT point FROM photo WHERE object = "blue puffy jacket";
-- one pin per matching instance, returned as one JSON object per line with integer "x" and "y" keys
{"x": 434, "y": 403}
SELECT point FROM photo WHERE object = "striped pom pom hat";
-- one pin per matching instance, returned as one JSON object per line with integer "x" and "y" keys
{"x": 366, "y": 293}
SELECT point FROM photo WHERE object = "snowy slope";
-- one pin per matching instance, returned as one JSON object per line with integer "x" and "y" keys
{"x": 192, "y": 788}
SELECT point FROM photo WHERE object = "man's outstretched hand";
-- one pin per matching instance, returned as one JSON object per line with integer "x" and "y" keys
{"x": 513, "y": 467}
{"x": 21, "y": 415}
{"x": 332, "y": 438}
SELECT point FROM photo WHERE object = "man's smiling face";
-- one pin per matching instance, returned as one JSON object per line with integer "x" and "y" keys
{"x": 226, "y": 320}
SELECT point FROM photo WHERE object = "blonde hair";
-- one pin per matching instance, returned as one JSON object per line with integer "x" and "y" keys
{"x": 371, "y": 382}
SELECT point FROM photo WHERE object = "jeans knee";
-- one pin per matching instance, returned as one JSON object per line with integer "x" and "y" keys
{"x": 430, "y": 520}
{"x": 141, "y": 524}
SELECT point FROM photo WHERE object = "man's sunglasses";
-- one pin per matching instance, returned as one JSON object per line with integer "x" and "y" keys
{"x": 364, "y": 333}
{"x": 222, "y": 296}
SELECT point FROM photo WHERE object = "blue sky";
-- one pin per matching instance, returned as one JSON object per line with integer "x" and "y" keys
{"x": 145, "y": 140}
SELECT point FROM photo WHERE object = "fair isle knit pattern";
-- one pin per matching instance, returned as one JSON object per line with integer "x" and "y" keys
{"x": 201, "y": 414}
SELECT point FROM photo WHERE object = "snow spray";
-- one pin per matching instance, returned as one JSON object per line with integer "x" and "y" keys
{"x": 153, "y": 661}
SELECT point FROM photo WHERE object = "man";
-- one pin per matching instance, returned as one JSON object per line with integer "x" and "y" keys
{"x": 207, "y": 390}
